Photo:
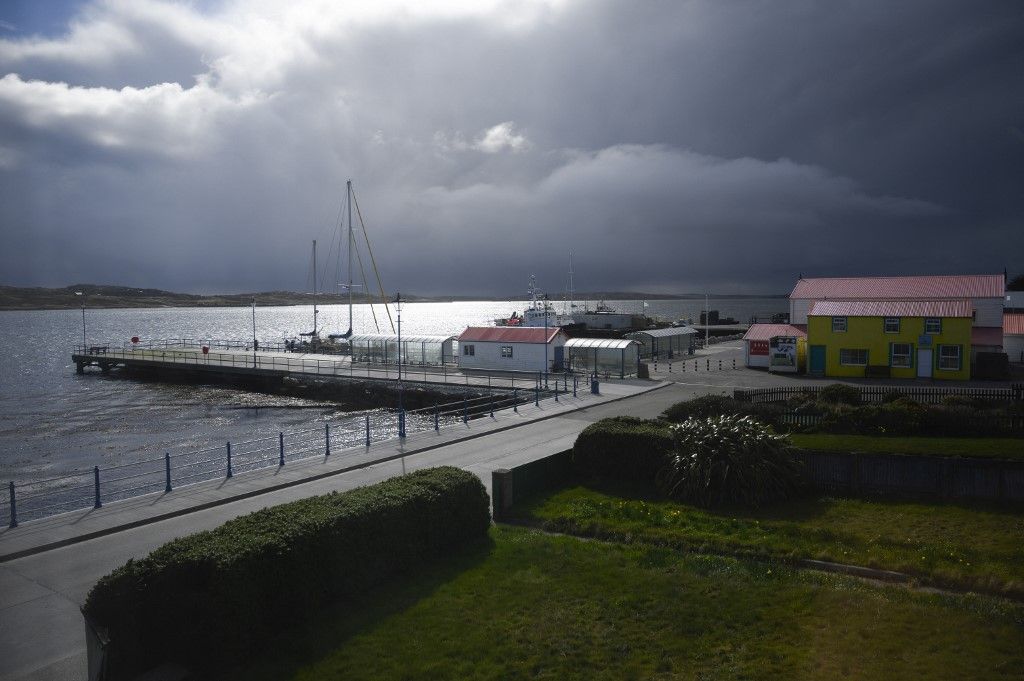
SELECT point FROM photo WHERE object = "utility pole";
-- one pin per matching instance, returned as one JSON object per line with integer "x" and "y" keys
{"x": 79, "y": 293}
{"x": 546, "y": 365}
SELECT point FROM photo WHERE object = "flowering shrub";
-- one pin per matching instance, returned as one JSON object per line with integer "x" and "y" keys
{"x": 728, "y": 459}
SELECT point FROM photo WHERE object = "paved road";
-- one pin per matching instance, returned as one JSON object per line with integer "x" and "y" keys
{"x": 41, "y": 630}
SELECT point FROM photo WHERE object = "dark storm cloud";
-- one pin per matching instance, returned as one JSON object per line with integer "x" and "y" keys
{"x": 670, "y": 146}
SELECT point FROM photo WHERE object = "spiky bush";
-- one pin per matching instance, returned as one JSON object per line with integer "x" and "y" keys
{"x": 729, "y": 459}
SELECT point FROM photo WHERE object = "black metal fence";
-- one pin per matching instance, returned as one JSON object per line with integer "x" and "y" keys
{"x": 979, "y": 422}
{"x": 876, "y": 394}
{"x": 30, "y": 500}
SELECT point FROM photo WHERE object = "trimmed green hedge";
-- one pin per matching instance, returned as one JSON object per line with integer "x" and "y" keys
{"x": 622, "y": 448}
{"x": 205, "y": 599}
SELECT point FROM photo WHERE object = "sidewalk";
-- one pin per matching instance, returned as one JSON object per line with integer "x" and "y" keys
{"x": 41, "y": 630}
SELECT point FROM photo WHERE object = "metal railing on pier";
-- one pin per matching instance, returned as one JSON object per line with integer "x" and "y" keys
{"x": 346, "y": 437}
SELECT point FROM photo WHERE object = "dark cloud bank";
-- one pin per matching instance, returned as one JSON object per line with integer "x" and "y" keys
{"x": 671, "y": 146}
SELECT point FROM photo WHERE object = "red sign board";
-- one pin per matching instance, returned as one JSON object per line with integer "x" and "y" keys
{"x": 759, "y": 347}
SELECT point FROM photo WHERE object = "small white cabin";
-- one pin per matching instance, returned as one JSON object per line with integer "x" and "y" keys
{"x": 509, "y": 348}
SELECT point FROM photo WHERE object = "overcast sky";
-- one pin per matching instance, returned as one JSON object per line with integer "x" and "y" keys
{"x": 672, "y": 146}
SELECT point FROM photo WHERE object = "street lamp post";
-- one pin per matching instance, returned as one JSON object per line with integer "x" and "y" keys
{"x": 254, "y": 332}
{"x": 79, "y": 293}
{"x": 401, "y": 407}
{"x": 546, "y": 365}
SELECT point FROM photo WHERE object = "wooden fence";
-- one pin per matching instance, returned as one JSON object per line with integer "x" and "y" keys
{"x": 994, "y": 425}
{"x": 947, "y": 478}
{"x": 847, "y": 473}
{"x": 874, "y": 394}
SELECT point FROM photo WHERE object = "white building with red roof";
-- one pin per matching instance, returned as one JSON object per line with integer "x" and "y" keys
{"x": 510, "y": 348}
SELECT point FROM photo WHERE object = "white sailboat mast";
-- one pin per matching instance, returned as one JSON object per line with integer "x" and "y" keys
{"x": 350, "y": 242}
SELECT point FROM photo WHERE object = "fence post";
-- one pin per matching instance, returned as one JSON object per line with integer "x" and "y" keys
{"x": 167, "y": 470}
{"x": 465, "y": 410}
{"x": 719, "y": 365}
{"x": 536, "y": 395}
{"x": 401, "y": 423}
{"x": 327, "y": 440}
{"x": 229, "y": 460}
{"x": 96, "y": 484}
{"x": 491, "y": 403}
{"x": 556, "y": 391}
{"x": 733, "y": 362}
{"x": 437, "y": 421}
{"x": 280, "y": 443}
{"x": 367, "y": 430}
{"x": 14, "y": 509}
{"x": 515, "y": 399}
{"x": 575, "y": 382}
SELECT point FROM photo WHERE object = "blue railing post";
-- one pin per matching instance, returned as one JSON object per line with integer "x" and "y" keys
{"x": 536, "y": 395}
{"x": 367, "y": 430}
{"x": 280, "y": 449}
{"x": 14, "y": 508}
{"x": 401, "y": 423}
{"x": 327, "y": 439}
{"x": 465, "y": 409}
{"x": 556, "y": 391}
{"x": 167, "y": 471}
{"x": 491, "y": 405}
{"x": 96, "y": 484}
{"x": 575, "y": 381}
{"x": 437, "y": 421}
{"x": 229, "y": 460}
{"x": 515, "y": 399}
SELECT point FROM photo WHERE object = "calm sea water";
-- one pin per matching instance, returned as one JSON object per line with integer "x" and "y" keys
{"x": 54, "y": 421}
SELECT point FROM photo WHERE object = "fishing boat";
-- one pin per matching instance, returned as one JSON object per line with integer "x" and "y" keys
{"x": 540, "y": 312}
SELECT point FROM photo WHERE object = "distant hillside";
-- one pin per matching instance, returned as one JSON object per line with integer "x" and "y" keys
{"x": 104, "y": 296}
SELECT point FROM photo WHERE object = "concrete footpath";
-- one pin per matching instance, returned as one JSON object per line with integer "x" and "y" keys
{"x": 48, "y": 566}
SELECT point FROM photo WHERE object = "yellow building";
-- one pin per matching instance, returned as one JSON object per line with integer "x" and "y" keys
{"x": 899, "y": 339}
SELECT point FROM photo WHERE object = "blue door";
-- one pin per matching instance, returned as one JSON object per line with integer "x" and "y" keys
{"x": 817, "y": 360}
{"x": 558, "y": 358}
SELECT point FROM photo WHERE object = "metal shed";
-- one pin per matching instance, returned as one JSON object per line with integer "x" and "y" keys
{"x": 382, "y": 348}
{"x": 603, "y": 355}
{"x": 665, "y": 343}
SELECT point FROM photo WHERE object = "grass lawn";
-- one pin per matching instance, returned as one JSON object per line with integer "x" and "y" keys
{"x": 535, "y": 606}
{"x": 944, "y": 544}
{"x": 987, "y": 447}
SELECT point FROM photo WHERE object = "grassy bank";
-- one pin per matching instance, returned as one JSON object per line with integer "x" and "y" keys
{"x": 943, "y": 544}
{"x": 986, "y": 447}
{"x": 531, "y": 606}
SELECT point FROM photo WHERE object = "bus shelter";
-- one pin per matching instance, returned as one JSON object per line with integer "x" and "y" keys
{"x": 606, "y": 356}
{"x": 665, "y": 343}
{"x": 381, "y": 348}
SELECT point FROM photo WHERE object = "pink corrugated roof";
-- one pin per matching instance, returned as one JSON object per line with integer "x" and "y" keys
{"x": 986, "y": 335}
{"x": 1013, "y": 322}
{"x": 509, "y": 334}
{"x": 760, "y": 332}
{"x": 890, "y": 308}
{"x": 889, "y": 288}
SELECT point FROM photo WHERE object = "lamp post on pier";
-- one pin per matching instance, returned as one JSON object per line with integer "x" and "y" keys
{"x": 254, "y": 332}
{"x": 80, "y": 293}
{"x": 401, "y": 407}
{"x": 546, "y": 365}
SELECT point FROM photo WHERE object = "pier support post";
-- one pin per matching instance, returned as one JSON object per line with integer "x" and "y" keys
{"x": 327, "y": 439}
{"x": 14, "y": 508}
{"x": 167, "y": 471}
{"x": 229, "y": 460}
{"x": 367, "y": 430}
{"x": 96, "y": 485}
{"x": 79, "y": 367}
{"x": 280, "y": 449}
